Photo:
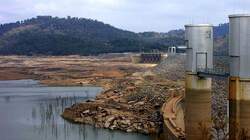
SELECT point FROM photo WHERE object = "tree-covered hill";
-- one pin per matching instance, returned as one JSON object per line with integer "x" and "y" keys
{"x": 59, "y": 36}
{"x": 221, "y": 30}
{"x": 46, "y": 35}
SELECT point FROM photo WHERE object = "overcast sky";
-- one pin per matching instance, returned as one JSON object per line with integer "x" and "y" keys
{"x": 133, "y": 15}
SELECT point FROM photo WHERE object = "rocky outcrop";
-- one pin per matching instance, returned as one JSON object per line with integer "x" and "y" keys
{"x": 111, "y": 118}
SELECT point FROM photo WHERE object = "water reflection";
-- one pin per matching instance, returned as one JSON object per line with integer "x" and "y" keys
{"x": 197, "y": 114}
{"x": 239, "y": 120}
{"x": 45, "y": 116}
{"x": 34, "y": 113}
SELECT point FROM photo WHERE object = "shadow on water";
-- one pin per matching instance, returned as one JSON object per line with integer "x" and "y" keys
{"x": 34, "y": 113}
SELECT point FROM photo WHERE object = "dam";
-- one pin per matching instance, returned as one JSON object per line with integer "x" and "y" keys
{"x": 196, "y": 102}
{"x": 150, "y": 58}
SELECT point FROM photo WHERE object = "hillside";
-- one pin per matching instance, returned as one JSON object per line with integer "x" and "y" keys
{"x": 46, "y": 35}
{"x": 221, "y": 39}
{"x": 171, "y": 38}
{"x": 60, "y": 36}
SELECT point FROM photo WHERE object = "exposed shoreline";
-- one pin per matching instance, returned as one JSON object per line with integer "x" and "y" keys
{"x": 132, "y": 97}
{"x": 132, "y": 108}
{"x": 128, "y": 88}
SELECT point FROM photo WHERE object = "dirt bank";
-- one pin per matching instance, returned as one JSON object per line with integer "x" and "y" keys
{"x": 69, "y": 70}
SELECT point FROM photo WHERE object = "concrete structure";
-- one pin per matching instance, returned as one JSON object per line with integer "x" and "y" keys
{"x": 239, "y": 45}
{"x": 173, "y": 117}
{"x": 239, "y": 120}
{"x": 171, "y": 50}
{"x": 152, "y": 58}
{"x": 239, "y": 81}
{"x": 239, "y": 52}
{"x": 136, "y": 58}
{"x": 197, "y": 107}
{"x": 181, "y": 49}
{"x": 199, "y": 41}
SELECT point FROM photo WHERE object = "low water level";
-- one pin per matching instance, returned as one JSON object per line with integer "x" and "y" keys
{"x": 29, "y": 111}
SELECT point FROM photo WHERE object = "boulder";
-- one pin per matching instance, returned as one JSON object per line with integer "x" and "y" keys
{"x": 140, "y": 103}
{"x": 129, "y": 130}
{"x": 86, "y": 111}
{"x": 109, "y": 121}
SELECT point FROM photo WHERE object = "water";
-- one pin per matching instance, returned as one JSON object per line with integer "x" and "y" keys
{"x": 29, "y": 111}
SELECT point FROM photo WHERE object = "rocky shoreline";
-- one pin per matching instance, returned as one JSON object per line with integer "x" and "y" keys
{"x": 133, "y": 93}
{"x": 133, "y": 104}
{"x": 130, "y": 108}
{"x": 106, "y": 118}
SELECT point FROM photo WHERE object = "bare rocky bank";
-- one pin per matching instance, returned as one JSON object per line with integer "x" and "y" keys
{"x": 133, "y": 93}
{"x": 130, "y": 107}
{"x": 133, "y": 104}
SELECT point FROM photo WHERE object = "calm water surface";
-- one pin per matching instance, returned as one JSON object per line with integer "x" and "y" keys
{"x": 29, "y": 111}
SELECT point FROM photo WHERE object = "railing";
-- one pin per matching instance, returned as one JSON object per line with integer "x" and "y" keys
{"x": 212, "y": 72}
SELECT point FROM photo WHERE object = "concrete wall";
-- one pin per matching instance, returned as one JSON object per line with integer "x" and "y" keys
{"x": 199, "y": 42}
{"x": 151, "y": 57}
{"x": 147, "y": 58}
{"x": 197, "y": 107}
{"x": 239, "y": 120}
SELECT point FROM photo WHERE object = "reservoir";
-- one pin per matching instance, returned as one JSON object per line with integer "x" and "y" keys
{"x": 31, "y": 111}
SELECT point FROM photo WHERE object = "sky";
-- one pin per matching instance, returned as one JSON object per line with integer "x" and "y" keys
{"x": 132, "y": 15}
